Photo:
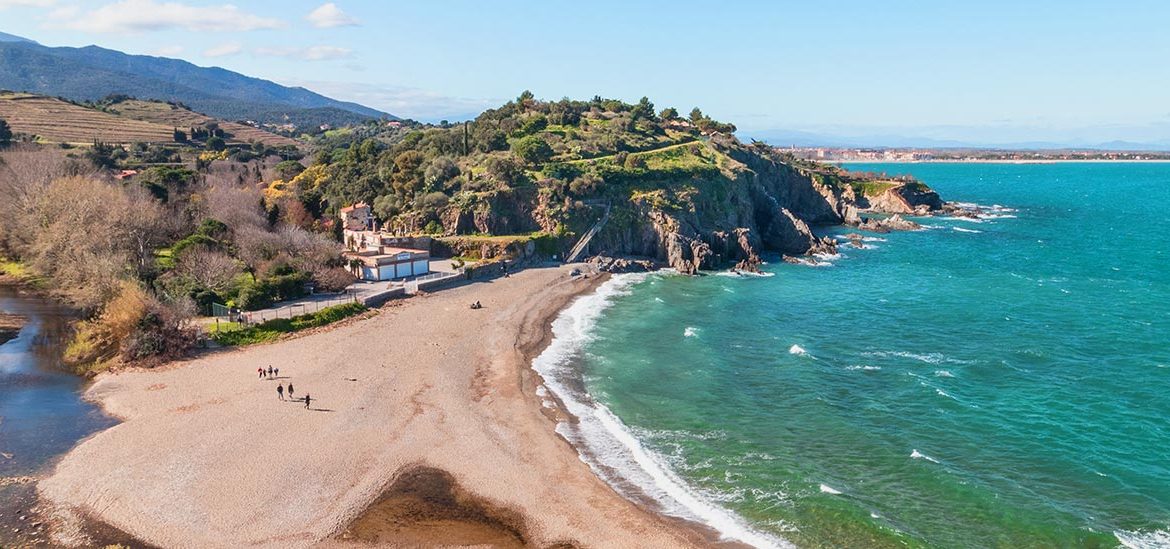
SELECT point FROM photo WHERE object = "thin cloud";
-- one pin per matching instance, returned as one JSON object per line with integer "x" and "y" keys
{"x": 167, "y": 51}
{"x": 129, "y": 16}
{"x": 5, "y": 4}
{"x": 311, "y": 53}
{"x": 223, "y": 50}
{"x": 406, "y": 102}
{"x": 329, "y": 16}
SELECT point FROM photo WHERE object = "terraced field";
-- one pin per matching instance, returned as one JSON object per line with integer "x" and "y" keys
{"x": 58, "y": 121}
{"x": 172, "y": 116}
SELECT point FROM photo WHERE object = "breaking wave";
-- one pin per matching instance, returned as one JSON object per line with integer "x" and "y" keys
{"x": 1157, "y": 539}
{"x": 606, "y": 444}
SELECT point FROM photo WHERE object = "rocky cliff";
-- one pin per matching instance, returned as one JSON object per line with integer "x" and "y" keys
{"x": 734, "y": 202}
{"x": 753, "y": 203}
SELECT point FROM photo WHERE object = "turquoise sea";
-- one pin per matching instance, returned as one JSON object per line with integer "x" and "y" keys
{"x": 1003, "y": 382}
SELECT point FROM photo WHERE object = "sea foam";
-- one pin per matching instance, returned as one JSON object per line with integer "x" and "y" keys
{"x": 825, "y": 488}
{"x": 1158, "y": 539}
{"x": 915, "y": 454}
{"x": 607, "y": 445}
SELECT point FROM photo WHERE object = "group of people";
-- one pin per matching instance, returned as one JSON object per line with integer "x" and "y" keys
{"x": 274, "y": 373}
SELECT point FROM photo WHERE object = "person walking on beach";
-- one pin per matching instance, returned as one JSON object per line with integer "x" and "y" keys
{"x": 261, "y": 370}
{"x": 280, "y": 391}
{"x": 270, "y": 371}
{"x": 276, "y": 371}
{"x": 290, "y": 391}
{"x": 308, "y": 399}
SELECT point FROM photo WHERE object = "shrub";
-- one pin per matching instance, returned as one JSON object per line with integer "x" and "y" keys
{"x": 333, "y": 279}
{"x": 533, "y": 125}
{"x": 132, "y": 326}
{"x": 271, "y": 330}
{"x": 532, "y": 149}
{"x": 283, "y": 284}
{"x": 561, "y": 170}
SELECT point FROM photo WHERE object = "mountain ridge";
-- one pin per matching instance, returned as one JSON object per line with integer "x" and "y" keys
{"x": 90, "y": 73}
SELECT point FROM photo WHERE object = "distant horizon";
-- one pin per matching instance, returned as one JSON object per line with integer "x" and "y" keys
{"x": 1051, "y": 74}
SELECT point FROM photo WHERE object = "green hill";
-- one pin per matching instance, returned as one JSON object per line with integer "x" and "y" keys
{"x": 682, "y": 190}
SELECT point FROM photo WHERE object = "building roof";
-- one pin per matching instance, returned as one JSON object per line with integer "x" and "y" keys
{"x": 359, "y": 205}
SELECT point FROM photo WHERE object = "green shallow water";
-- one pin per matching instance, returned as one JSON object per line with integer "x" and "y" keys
{"x": 1003, "y": 383}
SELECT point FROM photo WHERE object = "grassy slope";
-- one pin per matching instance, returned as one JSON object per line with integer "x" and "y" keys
{"x": 61, "y": 122}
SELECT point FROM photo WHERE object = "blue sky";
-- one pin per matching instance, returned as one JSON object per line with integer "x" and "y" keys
{"x": 993, "y": 70}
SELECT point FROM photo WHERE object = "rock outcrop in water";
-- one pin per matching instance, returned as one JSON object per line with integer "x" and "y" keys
{"x": 10, "y": 326}
{"x": 904, "y": 198}
{"x": 893, "y": 223}
{"x": 623, "y": 264}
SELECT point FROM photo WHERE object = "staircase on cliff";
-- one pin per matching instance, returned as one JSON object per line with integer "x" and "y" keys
{"x": 583, "y": 244}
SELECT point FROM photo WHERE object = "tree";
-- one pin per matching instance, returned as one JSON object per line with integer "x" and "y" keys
{"x": 208, "y": 268}
{"x": 441, "y": 170}
{"x": 5, "y": 133}
{"x": 180, "y": 136}
{"x": 387, "y": 206}
{"x": 532, "y": 149}
{"x": 644, "y": 109}
{"x": 216, "y": 143}
{"x": 533, "y": 125}
{"x": 103, "y": 155}
{"x": 288, "y": 169}
{"x": 407, "y": 177}
{"x": 669, "y": 114}
{"x": 506, "y": 170}
{"x": 696, "y": 115}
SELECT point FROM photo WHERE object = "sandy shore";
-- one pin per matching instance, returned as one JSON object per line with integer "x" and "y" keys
{"x": 428, "y": 408}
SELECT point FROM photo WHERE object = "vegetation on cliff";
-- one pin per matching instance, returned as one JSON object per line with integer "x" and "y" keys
{"x": 680, "y": 189}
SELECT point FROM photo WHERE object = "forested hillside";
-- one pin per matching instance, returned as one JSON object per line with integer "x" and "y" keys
{"x": 91, "y": 73}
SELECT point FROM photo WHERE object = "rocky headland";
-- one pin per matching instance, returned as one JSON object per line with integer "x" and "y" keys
{"x": 752, "y": 200}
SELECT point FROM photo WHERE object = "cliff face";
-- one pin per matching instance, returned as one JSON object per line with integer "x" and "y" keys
{"x": 749, "y": 201}
{"x": 753, "y": 204}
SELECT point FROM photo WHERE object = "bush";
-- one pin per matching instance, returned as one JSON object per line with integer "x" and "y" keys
{"x": 561, "y": 170}
{"x": 532, "y": 149}
{"x": 533, "y": 125}
{"x": 283, "y": 284}
{"x": 271, "y": 330}
{"x": 133, "y": 326}
{"x": 334, "y": 279}
{"x": 635, "y": 162}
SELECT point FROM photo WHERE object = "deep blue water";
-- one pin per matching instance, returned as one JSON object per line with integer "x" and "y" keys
{"x": 1000, "y": 383}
